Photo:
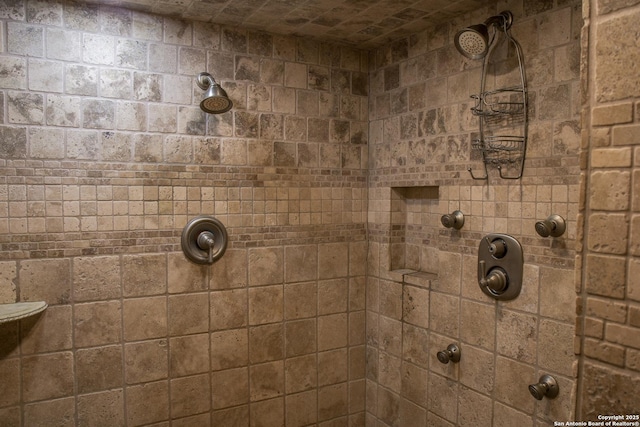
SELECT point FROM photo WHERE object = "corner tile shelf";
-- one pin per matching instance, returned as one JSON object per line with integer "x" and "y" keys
{"x": 20, "y": 310}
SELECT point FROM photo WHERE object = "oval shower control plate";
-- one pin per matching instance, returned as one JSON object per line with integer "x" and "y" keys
{"x": 500, "y": 266}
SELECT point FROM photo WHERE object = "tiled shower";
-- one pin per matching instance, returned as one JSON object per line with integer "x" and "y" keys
{"x": 340, "y": 284}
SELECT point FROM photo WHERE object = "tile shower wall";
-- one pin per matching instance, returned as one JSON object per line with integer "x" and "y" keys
{"x": 422, "y": 291}
{"x": 105, "y": 156}
{"x": 610, "y": 288}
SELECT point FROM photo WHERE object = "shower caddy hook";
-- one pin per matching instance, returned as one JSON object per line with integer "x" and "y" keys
{"x": 500, "y": 105}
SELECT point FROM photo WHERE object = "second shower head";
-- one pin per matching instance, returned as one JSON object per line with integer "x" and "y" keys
{"x": 215, "y": 99}
{"x": 473, "y": 42}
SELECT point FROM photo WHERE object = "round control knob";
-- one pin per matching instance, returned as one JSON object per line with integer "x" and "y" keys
{"x": 453, "y": 220}
{"x": 498, "y": 248}
{"x": 547, "y": 386}
{"x": 451, "y": 354}
{"x": 553, "y": 226}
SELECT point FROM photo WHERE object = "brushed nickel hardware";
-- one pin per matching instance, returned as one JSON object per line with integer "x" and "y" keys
{"x": 547, "y": 387}
{"x": 553, "y": 226}
{"x": 500, "y": 266}
{"x": 474, "y": 42}
{"x": 215, "y": 99}
{"x": 453, "y": 220}
{"x": 204, "y": 240}
{"x": 497, "y": 247}
{"x": 451, "y": 354}
{"x": 496, "y": 281}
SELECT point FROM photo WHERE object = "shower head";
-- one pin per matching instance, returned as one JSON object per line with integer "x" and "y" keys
{"x": 473, "y": 42}
{"x": 215, "y": 99}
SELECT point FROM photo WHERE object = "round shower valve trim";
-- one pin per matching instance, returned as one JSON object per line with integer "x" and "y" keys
{"x": 204, "y": 240}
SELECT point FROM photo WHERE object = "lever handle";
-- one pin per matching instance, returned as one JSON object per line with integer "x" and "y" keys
{"x": 496, "y": 281}
{"x": 206, "y": 242}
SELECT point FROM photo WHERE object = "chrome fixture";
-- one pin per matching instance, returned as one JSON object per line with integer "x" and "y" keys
{"x": 473, "y": 42}
{"x": 215, "y": 99}
{"x": 500, "y": 266}
{"x": 204, "y": 240}
{"x": 547, "y": 387}
{"x": 553, "y": 226}
{"x": 453, "y": 220}
{"x": 451, "y": 354}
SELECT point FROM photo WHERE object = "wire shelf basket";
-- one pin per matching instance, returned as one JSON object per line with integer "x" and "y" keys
{"x": 501, "y": 150}
{"x": 503, "y": 120}
{"x": 495, "y": 143}
{"x": 491, "y": 104}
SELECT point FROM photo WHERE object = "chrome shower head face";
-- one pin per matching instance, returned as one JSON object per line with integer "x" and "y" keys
{"x": 215, "y": 99}
{"x": 473, "y": 42}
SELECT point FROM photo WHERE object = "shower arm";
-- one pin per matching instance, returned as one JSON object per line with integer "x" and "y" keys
{"x": 503, "y": 20}
{"x": 205, "y": 80}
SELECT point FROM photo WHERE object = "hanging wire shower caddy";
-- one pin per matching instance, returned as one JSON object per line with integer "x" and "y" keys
{"x": 503, "y": 116}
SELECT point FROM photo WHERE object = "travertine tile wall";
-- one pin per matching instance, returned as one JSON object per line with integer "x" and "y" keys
{"x": 105, "y": 155}
{"x": 420, "y": 147}
{"x": 610, "y": 304}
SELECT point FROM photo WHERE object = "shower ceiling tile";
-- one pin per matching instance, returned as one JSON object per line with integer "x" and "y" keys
{"x": 362, "y": 23}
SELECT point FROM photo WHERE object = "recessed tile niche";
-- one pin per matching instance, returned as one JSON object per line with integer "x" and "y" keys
{"x": 414, "y": 224}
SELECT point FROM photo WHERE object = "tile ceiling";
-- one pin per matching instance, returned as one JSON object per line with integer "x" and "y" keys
{"x": 363, "y": 23}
